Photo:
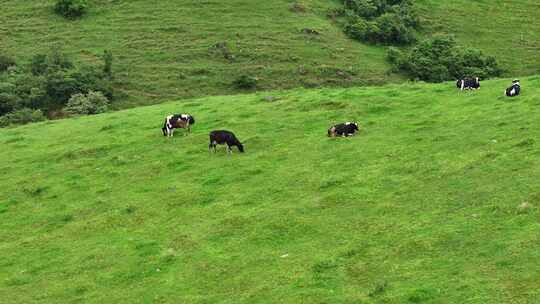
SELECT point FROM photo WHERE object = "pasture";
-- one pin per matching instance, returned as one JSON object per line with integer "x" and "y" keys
{"x": 166, "y": 49}
{"x": 436, "y": 200}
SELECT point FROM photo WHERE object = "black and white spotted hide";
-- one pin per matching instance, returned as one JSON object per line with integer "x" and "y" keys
{"x": 177, "y": 121}
{"x": 468, "y": 84}
{"x": 514, "y": 89}
{"x": 343, "y": 129}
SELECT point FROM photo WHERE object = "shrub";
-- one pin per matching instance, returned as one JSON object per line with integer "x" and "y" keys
{"x": 245, "y": 82}
{"x": 393, "y": 29}
{"x": 384, "y": 21}
{"x": 60, "y": 86}
{"x": 56, "y": 60}
{"x": 5, "y": 62}
{"x": 108, "y": 61}
{"x": 439, "y": 59}
{"x": 50, "y": 81}
{"x": 91, "y": 103}
{"x": 363, "y": 8}
{"x": 38, "y": 65}
{"x": 393, "y": 55}
{"x": 8, "y": 102}
{"x": 71, "y": 8}
{"x": 21, "y": 116}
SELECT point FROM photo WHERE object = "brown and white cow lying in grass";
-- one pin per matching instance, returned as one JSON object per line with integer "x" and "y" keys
{"x": 176, "y": 121}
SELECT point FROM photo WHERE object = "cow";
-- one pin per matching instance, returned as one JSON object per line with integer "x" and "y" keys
{"x": 220, "y": 137}
{"x": 468, "y": 83}
{"x": 176, "y": 121}
{"x": 514, "y": 89}
{"x": 343, "y": 129}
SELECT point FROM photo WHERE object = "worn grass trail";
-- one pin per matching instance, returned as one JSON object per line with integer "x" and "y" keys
{"x": 423, "y": 206}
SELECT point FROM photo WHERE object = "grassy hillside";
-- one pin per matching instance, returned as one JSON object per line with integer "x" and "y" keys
{"x": 164, "y": 48}
{"x": 505, "y": 29}
{"x": 436, "y": 201}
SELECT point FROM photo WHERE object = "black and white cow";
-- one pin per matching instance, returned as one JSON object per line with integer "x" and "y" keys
{"x": 468, "y": 83}
{"x": 176, "y": 121}
{"x": 221, "y": 137}
{"x": 343, "y": 129}
{"x": 514, "y": 89}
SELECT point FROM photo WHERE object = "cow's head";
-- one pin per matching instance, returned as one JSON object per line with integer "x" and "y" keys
{"x": 332, "y": 132}
{"x": 240, "y": 147}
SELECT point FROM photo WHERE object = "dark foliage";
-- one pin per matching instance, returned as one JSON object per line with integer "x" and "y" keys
{"x": 381, "y": 21}
{"x": 21, "y": 117}
{"x": 108, "y": 61}
{"x": 5, "y": 62}
{"x": 245, "y": 82}
{"x": 71, "y": 9}
{"x": 49, "y": 81}
{"x": 440, "y": 59}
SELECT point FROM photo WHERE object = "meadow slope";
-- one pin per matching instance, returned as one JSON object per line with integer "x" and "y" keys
{"x": 436, "y": 201}
{"x": 163, "y": 49}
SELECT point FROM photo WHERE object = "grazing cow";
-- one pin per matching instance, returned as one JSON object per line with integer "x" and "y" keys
{"x": 176, "y": 121}
{"x": 514, "y": 89}
{"x": 343, "y": 129}
{"x": 468, "y": 83}
{"x": 220, "y": 137}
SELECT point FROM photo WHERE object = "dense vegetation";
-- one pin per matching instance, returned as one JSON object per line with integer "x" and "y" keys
{"x": 71, "y": 8}
{"x": 46, "y": 85}
{"x": 440, "y": 59}
{"x": 385, "y": 21}
{"x": 165, "y": 49}
{"x": 435, "y": 201}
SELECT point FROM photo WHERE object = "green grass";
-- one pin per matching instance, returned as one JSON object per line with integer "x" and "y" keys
{"x": 163, "y": 48}
{"x": 423, "y": 206}
{"x": 505, "y": 29}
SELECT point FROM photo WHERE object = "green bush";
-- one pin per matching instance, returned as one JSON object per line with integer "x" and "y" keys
{"x": 56, "y": 60}
{"x": 50, "y": 80}
{"x": 71, "y": 8}
{"x": 363, "y": 8}
{"x": 21, "y": 116}
{"x": 107, "y": 63}
{"x": 439, "y": 59}
{"x": 381, "y": 21}
{"x": 5, "y": 62}
{"x": 91, "y": 103}
{"x": 245, "y": 82}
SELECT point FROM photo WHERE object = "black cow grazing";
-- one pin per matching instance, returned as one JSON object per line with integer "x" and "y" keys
{"x": 514, "y": 89}
{"x": 176, "y": 121}
{"x": 220, "y": 137}
{"x": 343, "y": 129}
{"x": 468, "y": 83}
